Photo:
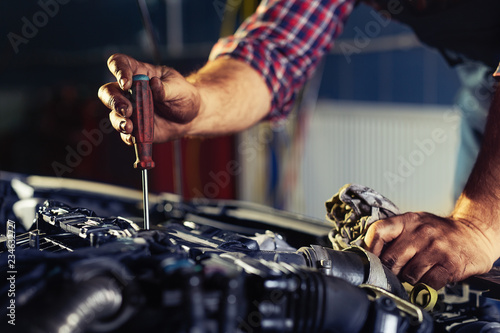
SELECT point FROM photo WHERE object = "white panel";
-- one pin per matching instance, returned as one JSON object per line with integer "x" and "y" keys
{"x": 405, "y": 152}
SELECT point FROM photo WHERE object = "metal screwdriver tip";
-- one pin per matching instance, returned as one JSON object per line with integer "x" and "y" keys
{"x": 145, "y": 199}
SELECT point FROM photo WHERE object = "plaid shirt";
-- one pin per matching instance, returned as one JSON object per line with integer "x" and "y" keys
{"x": 284, "y": 41}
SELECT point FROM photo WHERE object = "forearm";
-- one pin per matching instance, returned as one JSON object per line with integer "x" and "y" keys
{"x": 422, "y": 247}
{"x": 233, "y": 97}
{"x": 479, "y": 203}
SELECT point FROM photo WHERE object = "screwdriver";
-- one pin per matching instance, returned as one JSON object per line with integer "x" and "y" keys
{"x": 143, "y": 133}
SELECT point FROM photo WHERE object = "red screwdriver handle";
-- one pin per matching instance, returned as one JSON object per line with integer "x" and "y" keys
{"x": 143, "y": 120}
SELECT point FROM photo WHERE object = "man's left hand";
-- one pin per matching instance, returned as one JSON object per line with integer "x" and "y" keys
{"x": 422, "y": 247}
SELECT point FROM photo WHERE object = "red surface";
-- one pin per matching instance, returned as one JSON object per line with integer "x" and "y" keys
{"x": 73, "y": 138}
{"x": 208, "y": 168}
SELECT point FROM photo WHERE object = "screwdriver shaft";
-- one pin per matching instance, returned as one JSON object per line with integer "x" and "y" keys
{"x": 145, "y": 198}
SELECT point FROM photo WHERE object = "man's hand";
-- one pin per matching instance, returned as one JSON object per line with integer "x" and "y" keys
{"x": 225, "y": 96}
{"x": 176, "y": 101}
{"x": 422, "y": 247}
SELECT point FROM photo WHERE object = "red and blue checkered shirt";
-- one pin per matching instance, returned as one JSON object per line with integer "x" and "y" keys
{"x": 284, "y": 40}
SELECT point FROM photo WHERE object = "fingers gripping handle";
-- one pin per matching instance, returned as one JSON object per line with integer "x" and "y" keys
{"x": 142, "y": 118}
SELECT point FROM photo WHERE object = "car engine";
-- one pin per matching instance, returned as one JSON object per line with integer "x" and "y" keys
{"x": 83, "y": 263}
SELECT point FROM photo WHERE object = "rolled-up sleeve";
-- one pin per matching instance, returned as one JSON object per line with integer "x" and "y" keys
{"x": 284, "y": 41}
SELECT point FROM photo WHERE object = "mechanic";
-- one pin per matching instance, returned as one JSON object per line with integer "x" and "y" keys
{"x": 255, "y": 75}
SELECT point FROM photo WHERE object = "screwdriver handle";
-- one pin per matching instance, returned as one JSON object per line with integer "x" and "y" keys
{"x": 143, "y": 120}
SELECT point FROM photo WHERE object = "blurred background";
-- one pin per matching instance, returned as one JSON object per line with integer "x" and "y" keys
{"x": 377, "y": 111}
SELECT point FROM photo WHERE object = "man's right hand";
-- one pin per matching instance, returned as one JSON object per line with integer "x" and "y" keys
{"x": 176, "y": 101}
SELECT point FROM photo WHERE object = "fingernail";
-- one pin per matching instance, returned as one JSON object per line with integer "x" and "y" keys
{"x": 123, "y": 81}
{"x": 121, "y": 109}
{"x": 123, "y": 123}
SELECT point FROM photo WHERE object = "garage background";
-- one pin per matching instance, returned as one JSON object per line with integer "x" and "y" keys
{"x": 379, "y": 116}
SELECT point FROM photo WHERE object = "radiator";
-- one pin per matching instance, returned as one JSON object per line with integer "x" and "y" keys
{"x": 405, "y": 152}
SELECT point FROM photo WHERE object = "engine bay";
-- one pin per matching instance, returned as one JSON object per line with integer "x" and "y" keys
{"x": 85, "y": 264}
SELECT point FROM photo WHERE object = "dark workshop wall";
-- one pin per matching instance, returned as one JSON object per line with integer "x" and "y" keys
{"x": 53, "y": 60}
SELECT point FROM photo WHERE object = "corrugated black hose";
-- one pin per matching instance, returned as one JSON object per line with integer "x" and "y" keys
{"x": 75, "y": 308}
